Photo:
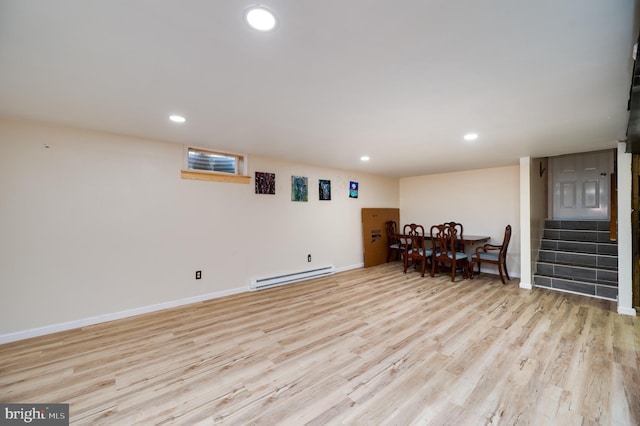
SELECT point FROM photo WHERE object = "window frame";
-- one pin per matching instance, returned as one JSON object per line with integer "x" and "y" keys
{"x": 240, "y": 175}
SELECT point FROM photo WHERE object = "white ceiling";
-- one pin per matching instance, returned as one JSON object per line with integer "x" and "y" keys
{"x": 401, "y": 81}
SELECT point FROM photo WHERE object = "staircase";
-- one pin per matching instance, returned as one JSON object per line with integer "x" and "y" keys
{"x": 576, "y": 256}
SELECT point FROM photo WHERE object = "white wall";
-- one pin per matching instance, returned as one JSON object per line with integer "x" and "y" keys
{"x": 97, "y": 224}
{"x": 484, "y": 201}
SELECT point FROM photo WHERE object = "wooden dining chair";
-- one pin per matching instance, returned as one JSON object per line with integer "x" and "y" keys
{"x": 395, "y": 246}
{"x": 459, "y": 230}
{"x": 444, "y": 240}
{"x": 415, "y": 252}
{"x": 494, "y": 254}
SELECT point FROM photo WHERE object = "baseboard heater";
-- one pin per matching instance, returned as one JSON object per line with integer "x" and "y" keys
{"x": 290, "y": 278}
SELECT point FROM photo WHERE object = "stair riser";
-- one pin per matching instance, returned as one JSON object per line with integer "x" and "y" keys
{"x": 594, "y": 290}
{"x": 586, "y": 225}
{"x": 581, "y": 236}
{"x": 589, "y": 248}
{"x": 578, "y": 259}
{"x": 600, "y": 276}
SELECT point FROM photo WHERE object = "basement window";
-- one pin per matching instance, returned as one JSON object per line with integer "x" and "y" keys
{"x": 203, "y": 164}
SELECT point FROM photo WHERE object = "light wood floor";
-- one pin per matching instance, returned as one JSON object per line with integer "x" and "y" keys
{"x": 370, "y": 347}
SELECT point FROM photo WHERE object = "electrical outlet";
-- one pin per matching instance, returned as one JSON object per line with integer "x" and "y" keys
{"x": 309, "y": 258}
{"x": 198, "y": 275}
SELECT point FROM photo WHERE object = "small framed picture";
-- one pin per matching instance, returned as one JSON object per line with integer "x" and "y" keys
{"x": 353, "y": 189}
{"x": 299, "y": 188}
{"x": 324, "y": 190}
{"x": 265, "y": 183}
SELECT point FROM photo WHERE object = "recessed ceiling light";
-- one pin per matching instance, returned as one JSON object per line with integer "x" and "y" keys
{"x": 260, "y": 18}
{"x": 470, "y": 136}
{"x": 177, "y": 118}
{"x": 364, "y": 158}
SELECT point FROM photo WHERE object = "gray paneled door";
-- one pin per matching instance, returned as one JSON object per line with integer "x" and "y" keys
{"x": 581, "y": 185}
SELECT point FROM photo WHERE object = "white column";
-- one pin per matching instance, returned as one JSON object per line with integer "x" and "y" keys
{"x": 625, "y": 258}
{"x": 526, "y": 278}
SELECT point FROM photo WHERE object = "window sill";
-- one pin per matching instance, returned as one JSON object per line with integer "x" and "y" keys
{"x": 217, "y": 177}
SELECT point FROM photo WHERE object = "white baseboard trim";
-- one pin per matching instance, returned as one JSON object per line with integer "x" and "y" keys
{"x": 84, "y": 322}
{"x": 527, "y": 286}
{"x": 350, "y": 267}
{"x": 626, "y": 311}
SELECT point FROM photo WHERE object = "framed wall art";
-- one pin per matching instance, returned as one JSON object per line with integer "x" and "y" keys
{"x": 265, "y": 183}
{"x": 353, "y": 189}
{"x": 324, "y": 190}
{"x": 299, "y": 188}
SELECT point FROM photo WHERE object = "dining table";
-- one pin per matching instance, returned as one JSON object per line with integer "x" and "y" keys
{"x": 467, "y": 240}
{"x": 470, "y": 240}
